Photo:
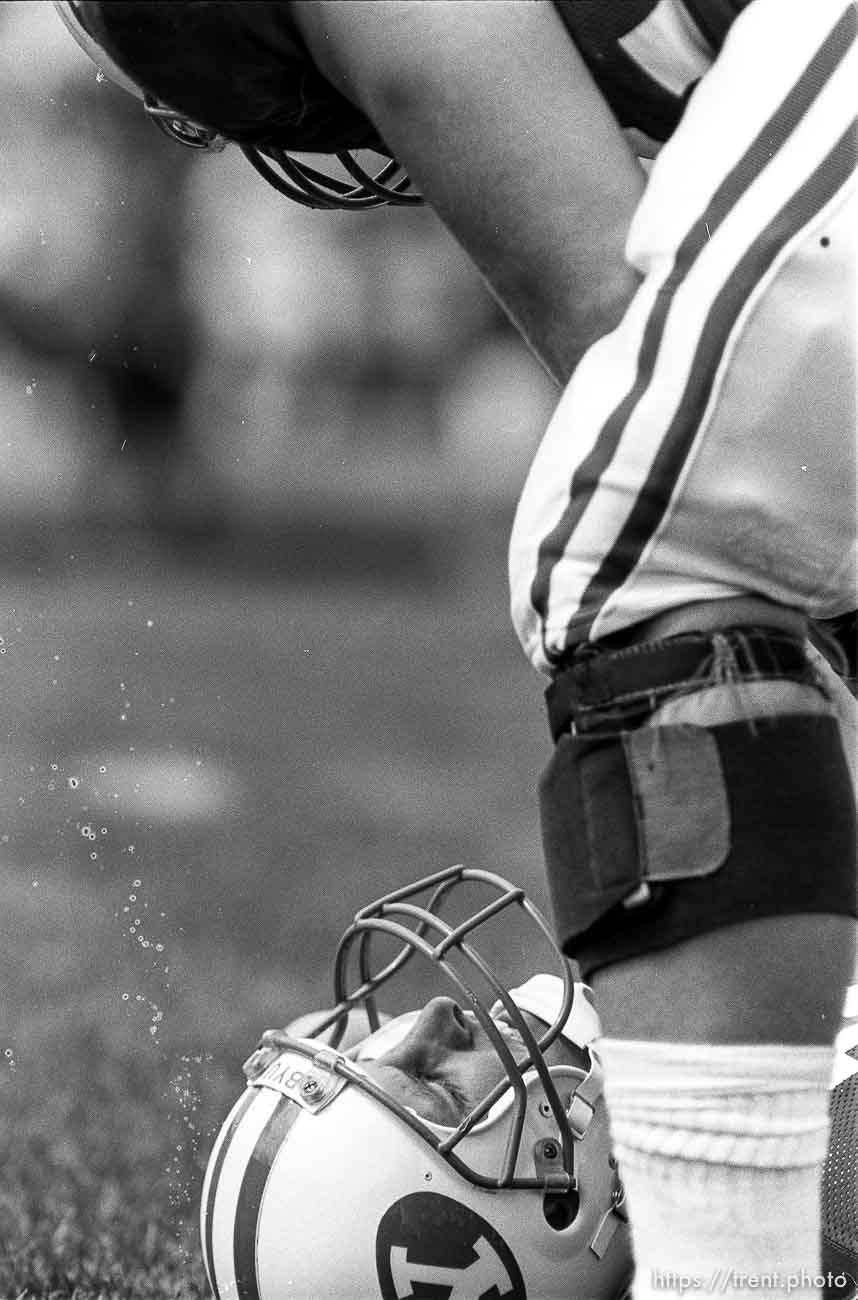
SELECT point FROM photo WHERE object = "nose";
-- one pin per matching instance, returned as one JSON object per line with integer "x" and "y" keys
{"x": 442, "y": 1023}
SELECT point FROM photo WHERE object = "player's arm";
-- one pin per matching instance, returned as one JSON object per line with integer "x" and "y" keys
{"x": 496, "y": 118}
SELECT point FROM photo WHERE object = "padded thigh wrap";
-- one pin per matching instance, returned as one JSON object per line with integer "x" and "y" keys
{"x": 721, "y": 824}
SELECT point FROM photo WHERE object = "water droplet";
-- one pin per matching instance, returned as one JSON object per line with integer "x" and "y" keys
{"x": 136, "y": 883}
{"x": 125, "y": 997}
{"x": 72, "y": 782}
{"x": 102, "y": 769}
{"x": 132, "y": 898}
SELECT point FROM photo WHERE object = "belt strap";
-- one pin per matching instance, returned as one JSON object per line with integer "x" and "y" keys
{"x": 596, "y": 678}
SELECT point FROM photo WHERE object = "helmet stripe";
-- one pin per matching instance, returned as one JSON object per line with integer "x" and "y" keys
{"x": 213, "y": 1184}
{"x": 250, "y": 1197}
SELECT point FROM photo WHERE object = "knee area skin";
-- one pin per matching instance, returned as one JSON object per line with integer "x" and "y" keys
{"x": 772, "y": 979}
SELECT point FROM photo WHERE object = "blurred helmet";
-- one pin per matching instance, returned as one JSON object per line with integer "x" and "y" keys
{"x": 321, "y": 1184}
{"x": 214, "y": 73}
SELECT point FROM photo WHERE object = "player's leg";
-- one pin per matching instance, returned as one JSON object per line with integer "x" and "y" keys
{"x": 718, "y": 1067}
{"x": 720, "y": 991}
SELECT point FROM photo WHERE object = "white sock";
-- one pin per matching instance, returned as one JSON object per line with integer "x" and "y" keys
{"x": 721, "y": 1151}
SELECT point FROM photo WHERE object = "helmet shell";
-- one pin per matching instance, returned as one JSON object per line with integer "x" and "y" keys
{"x": 348, "y": 1201}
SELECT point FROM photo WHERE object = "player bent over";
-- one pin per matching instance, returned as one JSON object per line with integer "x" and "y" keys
{"x": 688, "y": 519}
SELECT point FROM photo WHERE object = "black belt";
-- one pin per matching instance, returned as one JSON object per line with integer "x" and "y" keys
{"x": 595, "y": 678}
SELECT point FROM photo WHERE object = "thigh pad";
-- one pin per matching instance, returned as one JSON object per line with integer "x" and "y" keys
{"x": 657, "y": 834}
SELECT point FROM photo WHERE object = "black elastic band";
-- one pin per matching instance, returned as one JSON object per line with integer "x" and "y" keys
{"x": 596, "y": 679}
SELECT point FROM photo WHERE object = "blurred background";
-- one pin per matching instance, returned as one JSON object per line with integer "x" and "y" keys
{"x": 257, "y": 469}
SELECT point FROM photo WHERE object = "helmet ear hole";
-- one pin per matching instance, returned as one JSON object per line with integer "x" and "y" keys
{"x": 561, "y": 1209}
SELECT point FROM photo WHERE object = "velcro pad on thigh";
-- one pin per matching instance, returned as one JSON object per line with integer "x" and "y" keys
{"x": 680, "y": 801}
{"x": 621, "y": 809}
{"x": 748, "y": 818}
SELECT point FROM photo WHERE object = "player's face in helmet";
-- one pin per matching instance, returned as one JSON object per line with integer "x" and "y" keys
{"x": 447, "y": 1063}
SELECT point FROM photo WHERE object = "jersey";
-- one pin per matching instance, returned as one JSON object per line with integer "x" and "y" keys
{"x": 705, "y": 449}
{"x": 646, "y": 56}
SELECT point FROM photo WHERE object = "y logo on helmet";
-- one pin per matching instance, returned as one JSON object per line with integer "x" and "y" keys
{"x": 426, "y": 1242}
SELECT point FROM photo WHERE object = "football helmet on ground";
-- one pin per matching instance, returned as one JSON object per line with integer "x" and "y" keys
{"x": 211, "y": 74}
{"x": 324, "y": 1183}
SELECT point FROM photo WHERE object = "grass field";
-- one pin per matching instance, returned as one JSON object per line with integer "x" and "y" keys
{"x": 205, "y": 768}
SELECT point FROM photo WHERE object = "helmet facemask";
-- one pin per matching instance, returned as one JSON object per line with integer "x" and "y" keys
{"x": 428, "y": 923}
